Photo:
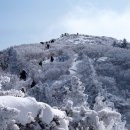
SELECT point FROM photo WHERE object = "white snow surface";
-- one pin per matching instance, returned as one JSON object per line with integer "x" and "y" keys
{"x": 24, "y": 105}
{"x": 28, "y": 106}
{"x": 75, "y": 62}
{"x": 102, "y": 59}
{"x": 47, "y": 114}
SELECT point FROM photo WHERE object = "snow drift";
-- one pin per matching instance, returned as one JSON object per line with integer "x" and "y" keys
{"x": 27, "y": 109}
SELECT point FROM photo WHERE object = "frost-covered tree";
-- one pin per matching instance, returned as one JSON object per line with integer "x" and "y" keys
{"x": 76, "y": 92}
{"x": 41, "y": 92}
{"x": 13, "y": 126}
{"x": 6, "y": 116}
{"x": 103, "y": 117}
{"x": 124, "y": 43}
{"x": 69, "y": 88}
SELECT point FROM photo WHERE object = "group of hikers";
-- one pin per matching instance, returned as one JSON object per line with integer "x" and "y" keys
{"x": 48, "y": 47}
{"x": 23, "y": 76}
{"x": 23, "y": 73}
{"x": 47, "y": 43}
{"x": 51, "y": 60}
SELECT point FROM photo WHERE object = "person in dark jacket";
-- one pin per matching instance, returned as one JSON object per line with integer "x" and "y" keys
{"x": 23, "y": 90}
{"x": 40, "y": 63}
{"x": 42, "y": 43}
{"x": 52, "y": 59}
{"x": 52, "y": 41}
{"x": 23, "y": 75}
{"x": 33, "y": 84}
{"x": 47, "y": 46}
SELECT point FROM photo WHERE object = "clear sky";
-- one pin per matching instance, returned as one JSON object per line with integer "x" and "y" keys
{"x": 32, "y": 21}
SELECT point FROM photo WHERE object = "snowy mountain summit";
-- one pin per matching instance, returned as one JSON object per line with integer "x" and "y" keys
{"x": 75, "y": 82}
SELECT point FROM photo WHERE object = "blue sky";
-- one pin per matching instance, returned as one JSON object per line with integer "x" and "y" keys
{"x": 32, "y": 21}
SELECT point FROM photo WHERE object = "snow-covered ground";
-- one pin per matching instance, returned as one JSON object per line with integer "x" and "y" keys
{"x": 75, "y": 62}
{"x": 68, "y": 92}
{"x": 28, "y": 109}
{"x": 102, "y": 59}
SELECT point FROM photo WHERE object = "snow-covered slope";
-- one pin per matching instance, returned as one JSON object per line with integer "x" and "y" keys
{"x": 102, "y": 64}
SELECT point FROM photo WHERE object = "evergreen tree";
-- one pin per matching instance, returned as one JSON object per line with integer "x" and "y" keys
{"x": 124, "y": 43}
{"x": 76, "y": 94}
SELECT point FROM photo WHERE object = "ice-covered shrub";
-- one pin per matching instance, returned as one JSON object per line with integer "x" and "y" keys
{"x": 61, "y": 91}
{"x": 7, "y": 114}
{"x": 95, "y": 51}
{"x": 41, "y": 92}
{"x": 12, "y": 92}
{"x": 76, "y": 92}
{"x": 4, "y": 80}
{"x": 52, "y": 74}
{"x": 103, "y": 117}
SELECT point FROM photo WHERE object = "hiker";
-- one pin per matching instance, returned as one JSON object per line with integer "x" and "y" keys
{"x": 33, "y": 84}
{"x": 40, "y": 63}
{"x": 47, "y": 46}
{"x": 42, "y": 42}
{"x": 52, "y": 41}
{"x": 52, "y": 59}
{"x": 23, "y": 90}
{"x": 23, "y": 75}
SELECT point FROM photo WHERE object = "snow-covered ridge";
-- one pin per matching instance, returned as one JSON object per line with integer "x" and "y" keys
{"x": 86, "y": 39}
{"x": 74, "y": 68}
